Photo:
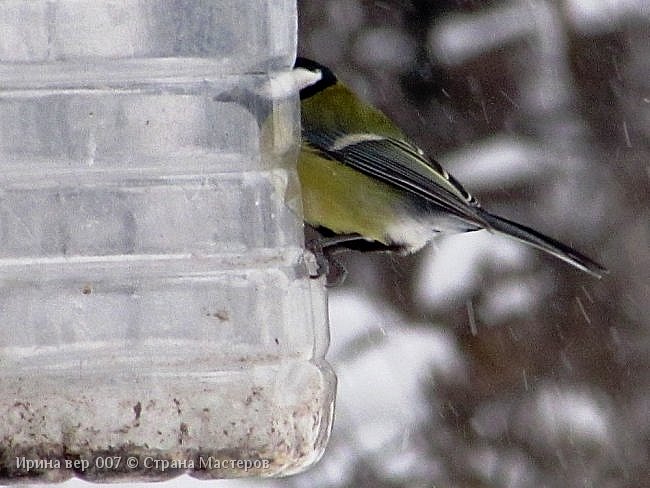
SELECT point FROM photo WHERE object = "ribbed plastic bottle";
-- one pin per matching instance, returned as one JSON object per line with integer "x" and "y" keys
{"x": 156, "y": 314}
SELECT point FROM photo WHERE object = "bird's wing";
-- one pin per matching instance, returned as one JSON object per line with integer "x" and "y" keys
{"x": 401, "y": 164}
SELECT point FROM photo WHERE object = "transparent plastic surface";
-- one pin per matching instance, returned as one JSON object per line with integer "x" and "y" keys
{"x": 237, "y": 36}
{"x": 156, "y": 314}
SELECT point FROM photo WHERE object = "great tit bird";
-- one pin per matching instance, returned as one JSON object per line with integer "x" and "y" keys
{"x": 365, "y": 185}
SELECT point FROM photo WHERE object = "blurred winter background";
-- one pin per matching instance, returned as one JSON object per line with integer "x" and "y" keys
{"x": 478, "y": 362}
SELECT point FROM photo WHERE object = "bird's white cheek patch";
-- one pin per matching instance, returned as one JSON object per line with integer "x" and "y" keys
{"x": 288, "y": 83}
{"x": 302, "y": 78}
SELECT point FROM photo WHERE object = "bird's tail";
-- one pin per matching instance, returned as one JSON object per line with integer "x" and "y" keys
{"x": 546, "y": 244}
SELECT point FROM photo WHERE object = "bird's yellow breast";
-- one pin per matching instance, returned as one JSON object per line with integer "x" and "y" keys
{"x": 344, "y": 200}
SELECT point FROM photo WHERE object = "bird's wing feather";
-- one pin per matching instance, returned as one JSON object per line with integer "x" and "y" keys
{"x": 401, "y": 164}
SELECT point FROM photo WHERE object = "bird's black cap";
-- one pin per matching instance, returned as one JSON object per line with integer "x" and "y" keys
{"x": 327, "y": 77}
